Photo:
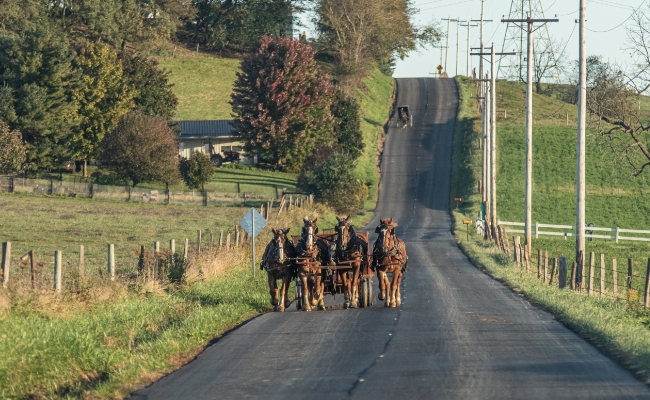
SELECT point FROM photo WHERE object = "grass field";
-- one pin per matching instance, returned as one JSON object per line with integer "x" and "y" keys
{"x": 619, "y": 328}
{"x": 203, "y": 85}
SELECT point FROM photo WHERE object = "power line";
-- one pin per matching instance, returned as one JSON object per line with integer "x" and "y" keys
{"x": 617, "y": 26}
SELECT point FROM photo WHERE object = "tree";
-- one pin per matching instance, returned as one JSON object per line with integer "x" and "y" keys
{"x": 20, "y": 15}
{"x": 334, "y": 183}
{"x": 141, "y": 148}
{"x": 12, "y": 150}
{"x": 154, "y": 94}
{"x": 363, "y": 33}
{"x": 37, "y": 95}
{"x": 347, "y": 126}
{"x": 239, "y": 24}
{"x": 197, "y": 170}
{"x": 103, "y": 97}
{"x": 548, "y": 60}
{"x": 281, "y": 99}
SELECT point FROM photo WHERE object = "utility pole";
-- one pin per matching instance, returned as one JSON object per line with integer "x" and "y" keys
{"x": 468, "y": 25}
{"x": 580, "y": 156}
{"x": 490, "y": 119}
{"x": 458, "y": 21}
{"x": 447, "y": 42}
{"x": 528, "y": 191}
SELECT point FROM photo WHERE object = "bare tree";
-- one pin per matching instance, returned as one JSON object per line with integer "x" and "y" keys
{"x": 548, "y": 62}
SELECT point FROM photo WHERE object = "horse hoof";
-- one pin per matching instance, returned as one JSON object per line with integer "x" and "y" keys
{"x": 281, "y": 309}
{"x": 392, "y": 305}
{"x": 307, "y": 309}
{"x": 346, "y": 305}
{"x": 354, "y": 305}
{"x": 321, "y": 307}
{"x": 381, "y": 296}
{"x": 386, "y": 304}
{"x": 275, "y": 308}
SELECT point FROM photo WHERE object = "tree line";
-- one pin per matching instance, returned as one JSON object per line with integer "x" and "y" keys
{"x": 77, "y": 82}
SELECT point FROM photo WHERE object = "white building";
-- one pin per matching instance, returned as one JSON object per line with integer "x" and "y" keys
{"x": 208, "y": 137}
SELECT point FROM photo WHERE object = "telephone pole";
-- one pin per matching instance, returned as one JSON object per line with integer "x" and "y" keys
{"x": 468, "y": 25}
{"x": 529, "y": 123}
{"x": 580, "y": 156}
{"x": 447, "y": 42}
{"x": 491, "y": 140}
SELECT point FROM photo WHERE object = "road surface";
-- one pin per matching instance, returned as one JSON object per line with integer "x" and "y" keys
{"x": 459, "y": 334}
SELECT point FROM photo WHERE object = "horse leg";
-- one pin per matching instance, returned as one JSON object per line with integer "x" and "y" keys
{"x": 286, "y": 283}
{"x": 385, "y": 288}
{"x": 354, "y": 285}
{"x": 399, "y": 283}
{"x": 393, "y": 287}
{"x": 380, "y": 278}
{"x": 282, "y": 301}
{"x": 305, "y": 292}
{"x": 345, "y": 281}
{"x": 273, "y": 291}
{"x": 320, "y": 285}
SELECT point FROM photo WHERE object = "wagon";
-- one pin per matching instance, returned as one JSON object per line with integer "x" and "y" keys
{"x": 404, "y": 116}
{"x": 332, "y": 280}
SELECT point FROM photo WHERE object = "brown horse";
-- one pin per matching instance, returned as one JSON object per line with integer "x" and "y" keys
{"x": 350, "y": 251}
{"x": 279, "y": 264}
{"x": 311, "y": 253}
{"x": 389, "y": 257}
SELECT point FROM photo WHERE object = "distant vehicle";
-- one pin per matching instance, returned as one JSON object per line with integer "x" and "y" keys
{"x": 404, "y": 117}
{"x": 228, "y": 156}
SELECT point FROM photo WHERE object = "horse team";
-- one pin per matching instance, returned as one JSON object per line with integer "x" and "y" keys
{"x": 334, "y": 263}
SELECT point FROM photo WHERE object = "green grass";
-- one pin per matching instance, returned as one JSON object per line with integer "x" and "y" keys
{"x": 613, "y": 198}
{"x": 375, "y": 104}
{"x": 203, "y": 86}
{"x": 115, "y": 347}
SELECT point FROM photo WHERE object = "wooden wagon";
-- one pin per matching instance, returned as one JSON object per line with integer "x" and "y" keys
{"x": 331, "y": 276}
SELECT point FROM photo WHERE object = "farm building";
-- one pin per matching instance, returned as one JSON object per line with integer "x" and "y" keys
{"x": 208, "y": 137}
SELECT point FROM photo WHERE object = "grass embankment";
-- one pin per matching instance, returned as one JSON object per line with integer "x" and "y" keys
{"x": 617, "y": 327}
{"x": 375, "y": 101}
{"x": 203, "y": 85}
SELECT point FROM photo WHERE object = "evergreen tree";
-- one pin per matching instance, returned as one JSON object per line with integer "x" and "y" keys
{"x": 347, "y": 127}
{"x": 154, "y": 92}
{"x": 12, "y": 150}
{"x": 37, "y": 96}
{"x": 103, "y": 97}
{"x": 282, "y": 101}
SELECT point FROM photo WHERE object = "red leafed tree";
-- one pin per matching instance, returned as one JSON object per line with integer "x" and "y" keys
{"x": 281, "y": 99}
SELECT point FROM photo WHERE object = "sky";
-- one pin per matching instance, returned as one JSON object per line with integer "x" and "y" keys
{"x": 606, "y": 30}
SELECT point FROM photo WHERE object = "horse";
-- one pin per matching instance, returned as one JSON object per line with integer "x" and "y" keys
{"x": 312, "y": 252}
{"x": 350, "y": 251}
{"x": 403, "y": 117}
{"x": 279, "y": 264}
{"x": 389, "y": 256}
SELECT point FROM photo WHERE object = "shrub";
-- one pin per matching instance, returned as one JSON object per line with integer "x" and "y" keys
{"x": 197, "y": 170}
{"x": 334, "y": 183}
{"x": 13, "y": 152}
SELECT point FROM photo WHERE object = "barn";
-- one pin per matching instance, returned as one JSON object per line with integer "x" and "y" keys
{"x": 208, "y": 137}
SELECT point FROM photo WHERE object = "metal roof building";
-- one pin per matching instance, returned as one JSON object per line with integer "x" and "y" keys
{"x": 206, "y": 128}
{"x": 208, "y": 137}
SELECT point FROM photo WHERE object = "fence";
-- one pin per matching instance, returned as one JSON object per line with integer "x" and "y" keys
{"x": 153, "y": 264}
{"x": 616, "y": 232}
{"x": 606, "y": 280}
{"x": 82, "y": 188}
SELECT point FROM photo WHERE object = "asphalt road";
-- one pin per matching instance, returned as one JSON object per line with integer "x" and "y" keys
{"x": 458, "y": 334}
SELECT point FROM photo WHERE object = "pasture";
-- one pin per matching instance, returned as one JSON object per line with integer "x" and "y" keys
{"x": 614, "y": 198}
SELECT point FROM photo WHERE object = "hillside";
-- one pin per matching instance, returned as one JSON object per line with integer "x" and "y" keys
{"x": 203, "y": 86}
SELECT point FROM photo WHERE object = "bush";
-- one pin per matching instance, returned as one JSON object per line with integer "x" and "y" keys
{"x": 142, "y": 148}
{"x": 334, "y": 183}
{"x": 197, "y": 170}
{"x": 13, "y": 151}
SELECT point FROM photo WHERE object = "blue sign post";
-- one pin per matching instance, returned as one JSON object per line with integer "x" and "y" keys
{"x": 253, "y": 223}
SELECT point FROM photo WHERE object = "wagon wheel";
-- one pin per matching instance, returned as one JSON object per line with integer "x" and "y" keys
{"x": 298, "y": 295}
{"x": 362, "y": 294}
{"x": 411, "y": 118}
{"x": 371, "y": 299}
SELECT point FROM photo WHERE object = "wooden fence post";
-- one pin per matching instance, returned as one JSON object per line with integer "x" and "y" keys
{"x": 553, "y": 269}
{"x": 32, "y": 268}
{"x": 562, "y": 275}
{"x": 6, "y": 263}
{"x": 527, "y": 257}
{"x": 602, "y": 275}
{"x": 172, "y": 246}
{"x": 198, "y": 241}
{"x": 186, "y": 249}
{"x": 81, "y": 261}
{"x": 629, "y": 276}
{"x": 515, "y": 248}
{"x": 156, "y": 247}
{"x": 539, "y": 263}
{"x": 572, "y": 283}
{"x": 592, "y": 264}
{"x": 141, "y": 260}
{"x": 221, "y": 239}
{"x": 545, "y": 266}
{"x": 504, "y": 237}
{"x": 111, "y": 261}
{"x": 58, "y": 266}
{"x": 237, "y": 235}
{"x": 211, "y": 245}
{"x": 646, "y": 293}
{"x": 614, "y": 278}
{"x": 228, "y": 241}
